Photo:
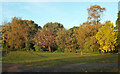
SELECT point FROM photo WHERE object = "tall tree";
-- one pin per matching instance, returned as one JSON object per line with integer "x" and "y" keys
{"x": 54, "y": 28}
{"x": 106, "y": 37}
{"x": 85, "y": 33}
{"x": 94, "y": 13}
{"x": 45, "y": 39}
{"x": 71, "y": 41}
{"x": 19, "y": 32}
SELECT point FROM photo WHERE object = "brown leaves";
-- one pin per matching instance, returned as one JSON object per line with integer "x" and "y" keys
{"x": 95, "y": 12}
{"x": 44, "y": 38}
{"x": 19, "y": 32}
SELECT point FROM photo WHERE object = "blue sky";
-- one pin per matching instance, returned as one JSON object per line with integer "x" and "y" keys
{"x": 67, "y": 13}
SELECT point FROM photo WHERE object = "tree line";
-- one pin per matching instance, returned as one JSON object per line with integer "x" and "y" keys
{"x": 91, "y": 36}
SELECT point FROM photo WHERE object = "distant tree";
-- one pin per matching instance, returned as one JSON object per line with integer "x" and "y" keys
{"x": 45, "y": 39}
{"x": 118, "y": 28}
{"x": 61, "y": 38}
{"x": 5, "y": 31}
{"x": 33, "y": 28}
{"x": 19, "y": 33}
{"x": 71, "y": 42}
{"x": 53, "y": 27}
{"x": 94, "y": 46}
{"x": 106, "y": 37}
{"x": 94, "y": 13}
{"x": 85, "y": 33}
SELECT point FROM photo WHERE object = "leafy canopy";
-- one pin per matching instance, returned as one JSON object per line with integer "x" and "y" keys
{"x": 106, "y": 37}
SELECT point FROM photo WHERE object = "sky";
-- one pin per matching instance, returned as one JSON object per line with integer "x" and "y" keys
{"x": 67, "y": 13}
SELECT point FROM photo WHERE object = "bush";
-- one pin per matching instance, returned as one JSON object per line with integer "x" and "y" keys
{"x": 59, "y": 50}
{"x": 38, "y": 48}
{"x": 27, "y": 46}
{"x": 21, "y": 49}
{"x": 87, "y": 51}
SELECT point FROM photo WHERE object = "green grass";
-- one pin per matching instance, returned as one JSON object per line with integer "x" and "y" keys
{"x": 45, "y": 58}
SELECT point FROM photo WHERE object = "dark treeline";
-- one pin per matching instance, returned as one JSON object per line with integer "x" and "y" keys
{"x": 91, "y": 36}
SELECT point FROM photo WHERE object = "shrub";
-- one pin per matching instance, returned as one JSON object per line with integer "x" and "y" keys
{"x": 38, "y": 48}
{"x": 27, "y": 46}
{"x": 59, "y": 50}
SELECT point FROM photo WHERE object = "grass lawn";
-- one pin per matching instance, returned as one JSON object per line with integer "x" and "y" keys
{"x": 45, "y": 58}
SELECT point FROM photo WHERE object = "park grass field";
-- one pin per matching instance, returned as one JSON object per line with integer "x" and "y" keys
{"x": 51, "y": 59}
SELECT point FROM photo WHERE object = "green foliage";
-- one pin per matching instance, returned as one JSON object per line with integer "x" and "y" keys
{"x": 85, "y": 35}
{"x": 93, "y": 44}
{"x": 27, "y": 45}
{"x": 71, "y": 42}
{"x": 87, "y": 45}
{"x": 53, "y": 27}
{"x": 66, "y": 40}
{"x": 59, "y": 50}
{"x": 38, "y": 48}
{"x": 60, "y": 38}
{"x": 106, "y": 37}
{"x": 118, "y": 32}
{"x": 87, "y": 50}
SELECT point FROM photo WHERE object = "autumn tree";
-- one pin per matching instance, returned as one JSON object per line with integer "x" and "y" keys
{"x": 45, "y": 39}
{"x": 5, "y": 31}
{"x": 54, "y": 28}
{"x": 19, "y": 32}
{"x": 106, "y": 37}
{"x": 85, "y": 33}
{"x": 94, "y": 13}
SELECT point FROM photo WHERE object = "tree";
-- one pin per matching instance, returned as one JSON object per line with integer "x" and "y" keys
{"x": 61, "y": 38}
{"x": 19, "y": 33}
{"x": 106, "y": 37}
{"x": 94, "y": 13}
{"x": 33, "y": 28}
{"x": 53, "y": 27}
{"x": 45, "y": 39}
{"x": 71, "y": 42}
{"x": 118, "y": 28}
{"x": 85, "y": 32}
{"x": 93, "y": 44}
{"x": 5, "y": 31}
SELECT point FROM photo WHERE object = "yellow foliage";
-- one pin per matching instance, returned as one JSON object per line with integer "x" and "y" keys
{"x": 106, "y": 37}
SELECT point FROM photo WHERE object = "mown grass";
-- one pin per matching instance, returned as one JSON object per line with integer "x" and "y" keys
{"x": 45, "y": 58}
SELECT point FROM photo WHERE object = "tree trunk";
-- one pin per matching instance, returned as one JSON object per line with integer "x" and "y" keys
{"x": 49, "y": 48}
